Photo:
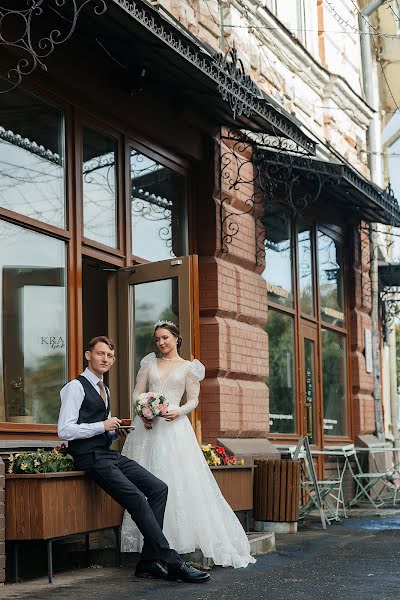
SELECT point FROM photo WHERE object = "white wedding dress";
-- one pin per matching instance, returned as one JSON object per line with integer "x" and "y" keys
{"x": 197, "y": 515}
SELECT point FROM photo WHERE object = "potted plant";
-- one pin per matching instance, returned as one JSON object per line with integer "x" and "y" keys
{"x": 233, "y": 476}
{"x": 17, "y": 408}
{"x": 46, "y": 498}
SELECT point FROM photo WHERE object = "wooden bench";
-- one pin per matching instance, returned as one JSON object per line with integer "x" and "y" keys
{"x": 50, "y": 506}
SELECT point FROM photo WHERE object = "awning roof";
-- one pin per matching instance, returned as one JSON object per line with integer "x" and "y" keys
{"x": 214, "y": 84}
{"x": 358, "y": 198}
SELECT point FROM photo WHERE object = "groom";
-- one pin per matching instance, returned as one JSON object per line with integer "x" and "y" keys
{"x": 86, "y": 423}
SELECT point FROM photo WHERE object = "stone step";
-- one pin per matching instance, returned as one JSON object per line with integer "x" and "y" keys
{"x": 260, "y": 543}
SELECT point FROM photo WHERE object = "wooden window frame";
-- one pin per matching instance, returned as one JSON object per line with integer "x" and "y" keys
{"x": 338, "y": 234}
{"x": 77, "y": 246}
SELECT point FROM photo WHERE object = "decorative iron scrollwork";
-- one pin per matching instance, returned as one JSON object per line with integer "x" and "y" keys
{"x": 226, "y": 71}
{"x": 390, "y": 309}
{"x": 237, "y": 88}
{"x": 21, "y": 30}
{"x": 238, "y": 183}
{"x": 257, "y": 170}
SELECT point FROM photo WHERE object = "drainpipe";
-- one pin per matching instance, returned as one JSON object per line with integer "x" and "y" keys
{"x": 376, "y": 176}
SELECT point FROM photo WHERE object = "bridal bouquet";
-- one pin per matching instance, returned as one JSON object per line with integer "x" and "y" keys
{"x": 150, "y": 405}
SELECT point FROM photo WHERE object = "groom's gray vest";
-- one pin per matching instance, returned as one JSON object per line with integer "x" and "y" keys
{"x": 93, "y": 410}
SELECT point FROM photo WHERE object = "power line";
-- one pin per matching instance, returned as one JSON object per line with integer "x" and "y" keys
{"x": 252, "y": 27}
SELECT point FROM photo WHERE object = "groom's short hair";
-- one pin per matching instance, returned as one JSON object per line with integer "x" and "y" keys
{"x": 101, "y": 339}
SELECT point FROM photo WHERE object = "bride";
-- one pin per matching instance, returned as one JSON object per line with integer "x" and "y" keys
{"x": 197, "y": 515}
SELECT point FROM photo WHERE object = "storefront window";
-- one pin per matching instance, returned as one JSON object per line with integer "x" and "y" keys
{"x": 305, "y": 268}
{"x": 334, "y": 382}
{"x": 33, "y": 325}
{"x": 158, "y": 209}
{"x": 32, "y": 158}
{"x": 278, "y": 257}
{"x": 99, "y": 187}
{"x": 280, "y": 329}
{"x": 330, "y": 266}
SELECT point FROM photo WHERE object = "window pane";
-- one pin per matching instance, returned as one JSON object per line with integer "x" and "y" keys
{"x": 330, "y": 266}
{"x": 32, "y": 158}
{"x": 158, "y": 210}
{"x": 305, "y": 266}
{"x": 278, "y": 257}
{"x": 334, "y": 382}
{"x": 149, "y": 303}
{"x": 99, "y": 187}
{"x": 282, "y": 407}
{"x": 33, "y": 325}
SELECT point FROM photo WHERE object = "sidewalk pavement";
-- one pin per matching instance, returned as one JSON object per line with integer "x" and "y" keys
{"x": 357, "y": 559}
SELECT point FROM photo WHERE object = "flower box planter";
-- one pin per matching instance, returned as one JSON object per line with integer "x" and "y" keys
{"x": 48, "y": 506}
{"x": 236, "y": 485}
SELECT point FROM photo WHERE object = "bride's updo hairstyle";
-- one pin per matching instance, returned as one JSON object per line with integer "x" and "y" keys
{"x": 172, "y": 328}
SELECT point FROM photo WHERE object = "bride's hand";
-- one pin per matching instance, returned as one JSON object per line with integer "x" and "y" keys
{"x": 147, "y": 423}
{"x": 172, "y": 414}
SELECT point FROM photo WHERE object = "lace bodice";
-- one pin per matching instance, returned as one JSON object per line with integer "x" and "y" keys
{"x": 186, "y": 377}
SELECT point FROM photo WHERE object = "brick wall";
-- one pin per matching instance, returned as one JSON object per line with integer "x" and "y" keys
{"x": 233, "y": 310}
{"x": 2, "y": 525}
{"x": 360, "y": 319}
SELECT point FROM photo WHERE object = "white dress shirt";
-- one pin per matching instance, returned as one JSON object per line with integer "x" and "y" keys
{"x": 72, "y": 396}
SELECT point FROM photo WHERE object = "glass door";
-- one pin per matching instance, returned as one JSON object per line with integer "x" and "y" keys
{"x": 310, "y": 396}
{"x": 148, "y": 293}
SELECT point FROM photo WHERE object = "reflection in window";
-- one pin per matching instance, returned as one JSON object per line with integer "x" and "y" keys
{"x": 280, "y": 329}
{"x": 150, "y": 302}
{"x": 330, "y": 266}
{"x": 99, "y": 187}
{"x": 33, "y": 325}
{"x": 158, "y": 210}
{"x": 334, "y": 382}
{"x": 32, "y": 157}
{"x": 305, "y": 267}
{"x": 278, "y": 256}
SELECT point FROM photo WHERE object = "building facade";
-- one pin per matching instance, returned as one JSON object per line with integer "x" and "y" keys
{"x": 206, "y": 162}
{"x": 123, "y": 158}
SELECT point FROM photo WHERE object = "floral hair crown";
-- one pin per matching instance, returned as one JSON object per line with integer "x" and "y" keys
{"x": 164, "y": 322}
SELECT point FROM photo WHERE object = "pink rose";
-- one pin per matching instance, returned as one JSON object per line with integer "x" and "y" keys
{"x": 163, "y": 408}
{"x": 150, "y": 395}
{"x": 147, "y": 412}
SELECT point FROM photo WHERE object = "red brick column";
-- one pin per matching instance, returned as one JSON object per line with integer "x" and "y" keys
{"x": 2, "y": 525}
{"x": 233, "y": 311}
{"x": 360, "y": 319}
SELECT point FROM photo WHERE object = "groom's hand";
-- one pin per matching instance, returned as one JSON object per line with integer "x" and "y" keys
{"x": 112, "y": 424}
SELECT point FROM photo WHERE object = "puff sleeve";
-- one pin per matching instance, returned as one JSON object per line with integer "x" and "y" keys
{"x": 143, "y": 375}
{"x": 195, "y": 374}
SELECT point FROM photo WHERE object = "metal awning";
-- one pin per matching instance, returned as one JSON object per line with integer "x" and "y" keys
{"x": 178, "y": 62}
{"x": 147, "y": 44}
{"x": 358, "y": 198}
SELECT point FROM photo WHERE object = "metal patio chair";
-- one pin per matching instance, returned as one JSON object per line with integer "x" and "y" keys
{"x": 318, "y": 493}
{"x": 365, "y": 481}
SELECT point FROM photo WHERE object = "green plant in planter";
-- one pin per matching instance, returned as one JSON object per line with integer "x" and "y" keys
{"x": 41, "y": 461}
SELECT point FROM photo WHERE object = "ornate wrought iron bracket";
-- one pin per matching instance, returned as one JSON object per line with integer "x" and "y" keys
{"x": 390, "y": 308}
{"x": 21, "y": 30}
{"x": 258, "y": 169}
{"x": 236, "y": 88}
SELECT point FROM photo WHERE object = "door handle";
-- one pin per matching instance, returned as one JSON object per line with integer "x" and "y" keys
{"x": 309, "y": 419}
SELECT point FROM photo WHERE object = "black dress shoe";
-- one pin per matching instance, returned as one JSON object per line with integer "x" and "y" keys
{"x": 188, "y": 574}
{"x": 151, "y": 569}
